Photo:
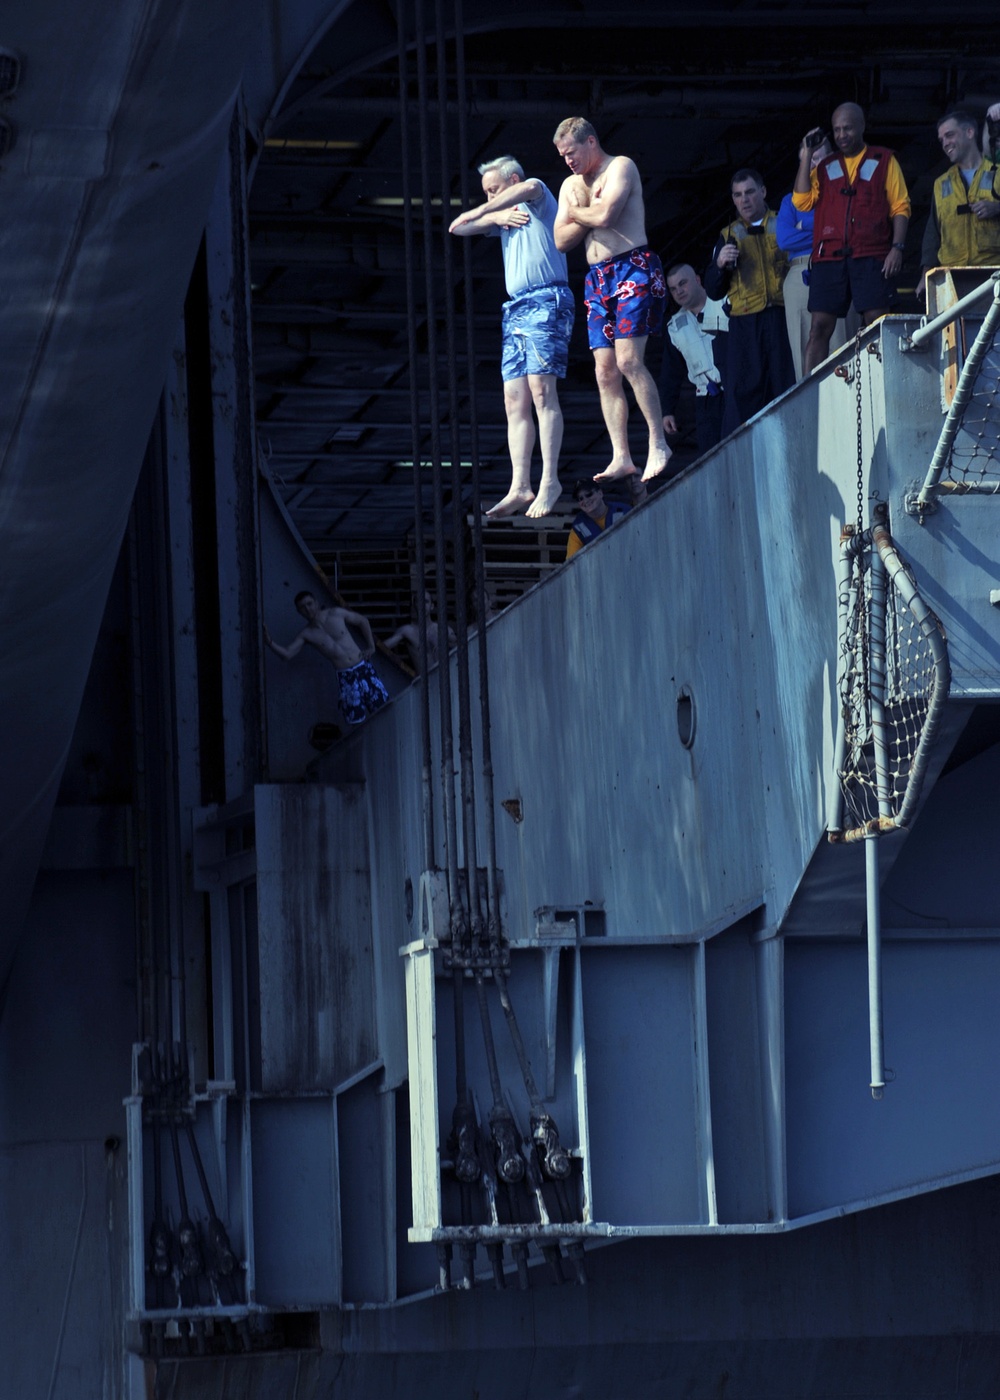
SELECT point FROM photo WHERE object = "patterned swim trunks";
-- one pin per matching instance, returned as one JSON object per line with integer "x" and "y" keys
{"x": 625, "y": 297}
{"x": 361, "y": 692}
{"x": 536, "y": 331}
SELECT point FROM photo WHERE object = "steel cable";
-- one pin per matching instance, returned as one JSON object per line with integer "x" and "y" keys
{"x": 467, "y": 779}
{"x": 409, "y": 257}
{"x": 489, "y": 824}
{"x": 457, "y": 919}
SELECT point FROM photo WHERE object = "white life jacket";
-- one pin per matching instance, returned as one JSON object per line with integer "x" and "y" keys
{"x": 693, "y": 338}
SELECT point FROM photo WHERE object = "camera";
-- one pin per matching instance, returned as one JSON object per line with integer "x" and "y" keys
{"x": 814, "y": 139}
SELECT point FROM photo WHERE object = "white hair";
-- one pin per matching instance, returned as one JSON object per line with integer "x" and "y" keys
{"x": 505, "y": 167}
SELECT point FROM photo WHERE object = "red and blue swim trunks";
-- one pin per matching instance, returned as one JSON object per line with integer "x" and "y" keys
{"x": 625, "y": 297}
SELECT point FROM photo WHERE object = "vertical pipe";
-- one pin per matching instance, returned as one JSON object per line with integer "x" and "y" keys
{"x": 489, "y": 1045}
{"x": 489, "y": 822}
{"x": 769, "y": 963}
{"x": 158, "y": 1238}
{"x": 874, "y": 967}
{"x": 461, "y": 1074}
{"x": 426, "y": 760}
{"x": 148, "y": 943}
{"x": 467, "y": 781}
{"x": 876, "y": 690}
{"x": 534, "y": 1097}
{"x": 458, "y": 922}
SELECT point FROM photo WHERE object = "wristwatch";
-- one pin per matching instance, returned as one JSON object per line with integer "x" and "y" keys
{"x": 900, "y": 246}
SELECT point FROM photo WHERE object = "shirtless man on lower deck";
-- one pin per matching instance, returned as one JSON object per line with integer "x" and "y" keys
{"x": 601, "y": 205}
{"x": 409, "y": 634}
{"x": 361, "y": 692}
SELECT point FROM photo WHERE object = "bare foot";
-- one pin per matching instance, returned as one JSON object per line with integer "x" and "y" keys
{"x": 659, "y": 455}
{"x": 512, "y": 504}
{"x": 548, "y": 493}
{"x": 617, "y": 471}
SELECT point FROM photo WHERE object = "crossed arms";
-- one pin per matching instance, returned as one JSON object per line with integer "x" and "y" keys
{"x": 575, "y": 218}
{"x": 499, "y": 211}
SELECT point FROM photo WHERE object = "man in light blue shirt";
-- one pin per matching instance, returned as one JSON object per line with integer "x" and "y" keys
{"x": 537, "y": 322}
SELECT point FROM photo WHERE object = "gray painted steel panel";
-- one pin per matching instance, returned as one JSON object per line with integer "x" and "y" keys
{"x": 641, "y": 1085}
{"x": 935, "y": 1122}
{"x": 945, "y": 876}
{"x": 737, "y": 1078}
{"x": 314, "y": 938}
{"x": 296, "y": 1202}
{"x": 364, "y": 1157}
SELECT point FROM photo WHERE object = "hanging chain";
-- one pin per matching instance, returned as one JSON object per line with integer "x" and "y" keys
{"x": 861, "y": 552}
{"x": 861, "y": 459}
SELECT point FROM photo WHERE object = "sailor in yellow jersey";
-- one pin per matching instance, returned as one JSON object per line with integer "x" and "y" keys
{"x": 748, "y": 266}
{"x": 963, "y": 227}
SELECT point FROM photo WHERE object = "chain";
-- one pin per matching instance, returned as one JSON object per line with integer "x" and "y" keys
{"x": 862, "y": 614}
{"x": 861, "y": 460}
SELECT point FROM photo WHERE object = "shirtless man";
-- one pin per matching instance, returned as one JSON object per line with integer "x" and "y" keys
{"x": 361, "y": 691}
{"x": 600, "y": 205}
{"x": 410, "y": 634}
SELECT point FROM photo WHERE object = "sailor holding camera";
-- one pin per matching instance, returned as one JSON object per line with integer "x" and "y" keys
{"x": 861, "y": 211}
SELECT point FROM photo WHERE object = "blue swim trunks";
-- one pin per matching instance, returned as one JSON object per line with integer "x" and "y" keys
{"x": 361, "y": 692}
{"x": 625, "y": 297}
{"x": 536, "y": 331}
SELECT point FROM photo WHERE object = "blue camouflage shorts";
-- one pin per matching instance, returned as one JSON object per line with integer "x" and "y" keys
{"x": 536, "y": 331}
{"x": 626, "y": 297}
{"x": 361, "y": 692}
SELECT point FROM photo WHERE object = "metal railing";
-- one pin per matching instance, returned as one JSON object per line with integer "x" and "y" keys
{"x": 929, "y": 329}
{"x": 924, "y": 500}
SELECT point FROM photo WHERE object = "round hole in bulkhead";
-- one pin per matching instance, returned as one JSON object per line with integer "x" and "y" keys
{"x": 685, "y": 716}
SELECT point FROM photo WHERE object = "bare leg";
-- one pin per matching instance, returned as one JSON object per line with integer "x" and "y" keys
{"x": 630, "y": 356}
{"x": 818, "y": 345}
{"x": 615, "y": 409}
{"x": 550, "y": 432}
{"x": 521, "y": 442}
{"x": 869, "y": 317}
